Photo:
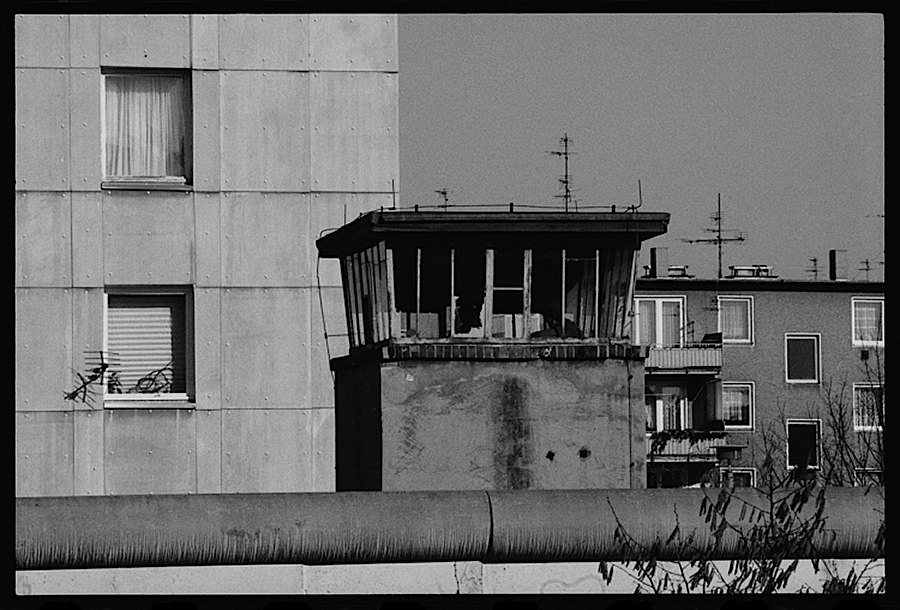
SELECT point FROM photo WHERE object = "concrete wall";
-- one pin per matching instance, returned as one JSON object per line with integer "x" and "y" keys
{"x": 512, "y": 425}
{"x": 294, "y": 131}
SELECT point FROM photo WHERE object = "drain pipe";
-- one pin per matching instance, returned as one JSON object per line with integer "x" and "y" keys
{"x": 389, "y": 527}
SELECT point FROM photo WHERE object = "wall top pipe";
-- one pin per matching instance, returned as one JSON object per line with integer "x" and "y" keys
{"x": 385, "y": 527}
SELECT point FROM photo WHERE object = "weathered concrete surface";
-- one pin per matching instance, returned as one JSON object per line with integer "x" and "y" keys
{"x": 512, "y": 425}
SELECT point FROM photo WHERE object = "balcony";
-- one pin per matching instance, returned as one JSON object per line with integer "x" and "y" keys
{"x": 698, "y": 357}
{"x": 684, "y": 449}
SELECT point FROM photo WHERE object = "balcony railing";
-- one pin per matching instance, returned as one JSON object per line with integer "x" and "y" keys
{"x": 700, "y": 356}
{"x": 682, "y": 449}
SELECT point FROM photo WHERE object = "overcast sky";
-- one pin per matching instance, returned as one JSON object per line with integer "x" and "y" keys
{"x": 781, "y": 114}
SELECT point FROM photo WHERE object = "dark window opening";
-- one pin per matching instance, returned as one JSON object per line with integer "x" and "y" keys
{"x": 803, "y": 444}
{"x": 802, "y": 354}
{"x": 468, "y": 292}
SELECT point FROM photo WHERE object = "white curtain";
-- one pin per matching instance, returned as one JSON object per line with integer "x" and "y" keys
{"x": 736, "y": 405}
{"x": 734, "y": 319}
{"x": 868, "y": 321}
{"x": 145, "y": 126}
{"x": 647, "y": 322}
{"x": 671, "y": 323}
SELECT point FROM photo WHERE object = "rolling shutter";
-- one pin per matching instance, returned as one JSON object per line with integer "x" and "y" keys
{"x": 146, "y": 343}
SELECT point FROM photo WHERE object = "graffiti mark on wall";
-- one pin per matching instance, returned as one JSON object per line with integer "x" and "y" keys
{"x": 104, "y": 373}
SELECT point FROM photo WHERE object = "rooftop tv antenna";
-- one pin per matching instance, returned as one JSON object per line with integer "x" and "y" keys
{"x": 720, "y": 239}
{"x": 865, "y": 267}
{"x": 443, "y": 193}
{"x": 566, "y": 180}
{"x": 815, "y": 268}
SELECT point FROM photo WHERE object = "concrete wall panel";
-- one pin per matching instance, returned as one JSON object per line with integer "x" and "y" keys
{"x": 150, "y": 451}
{"x": 265, "y": 239}
{"x": 42, "y": 129}
{"x": 43, "y": 349}
{"x": 209, "y": 452}
{"x": 208, "y": 350}
{"x": 43, "y": 239}
{"x": 87, "y": 341}
{"x": 153, "y": 41}
{"x": 208, "y": 218}
{"x": 265, "y": 144}
{"x": 353, "y": 42}
{"x": 84, "y": 41}
{"x": 328, "y": 211}
{"x": 87, "y": 164}
{"x": 321, "y": 424}
{"x": 264, "y": 42}
{"x": 89, "y": 453}
{"x": 148, "y": 237}
{"x": 44, "y": 454}
{"x": 42, "y": 41}
{"x": 206, "y": 144}
{"x": 87, "y": 239}
{"x": 205, "y": 42}
{"x": 266, "y": 450}
{"x": 265, "y": 352}
{"x": 354, "y": 143}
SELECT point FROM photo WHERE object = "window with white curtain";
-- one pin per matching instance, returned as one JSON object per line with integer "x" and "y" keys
{"x": 148, "y": 344}
{"x": 868, "y": 406}
{"x": 146, "y": 122}
{"x": 660, "y": 321}
{"x": 737, "y": 405}
{"x": 868, "y": 322}
{"x": 736, "y": 319}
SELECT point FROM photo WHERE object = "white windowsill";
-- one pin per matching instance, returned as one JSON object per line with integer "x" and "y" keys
{"x": 147, "y": 401}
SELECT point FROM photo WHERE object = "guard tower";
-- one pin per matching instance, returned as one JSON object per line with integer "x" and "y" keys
{"x": 490, "y": 350}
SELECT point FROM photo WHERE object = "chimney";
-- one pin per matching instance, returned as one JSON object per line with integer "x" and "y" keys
{"x": 659, "y": 262}
{"x": 837, "y": 265}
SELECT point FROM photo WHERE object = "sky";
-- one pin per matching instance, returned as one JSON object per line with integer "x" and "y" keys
{"x": 780, "y": 115}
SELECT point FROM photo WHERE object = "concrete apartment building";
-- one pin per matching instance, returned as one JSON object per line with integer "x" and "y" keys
{"x": 754, "y": 354}
{"x": 172, "y": 173}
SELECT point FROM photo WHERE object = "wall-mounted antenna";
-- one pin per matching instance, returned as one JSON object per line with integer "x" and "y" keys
{"x": 566, "y": 180}
{"x": 443, "y": 193}
{"x": 814, "y": 269}
{"x": 719, "y": 239}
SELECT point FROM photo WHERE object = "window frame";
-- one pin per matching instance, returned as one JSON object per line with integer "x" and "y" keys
{"x": 802, "y": 422}
{"x": 752, "y": 392}
{"x": 818, "y": 354}
{"x": 149, "y": 183}
{"x": 867, "y": 385}
{"x": 681, "y": 299}
{"x": 727, "y": 472}
{"x": 173, "y": 399}
{"x": 860, "y": 473}
{"x": 863, "y": 342}
{"x": 751, "y": 318}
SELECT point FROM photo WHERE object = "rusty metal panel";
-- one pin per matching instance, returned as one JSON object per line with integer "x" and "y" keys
{"x": 353, "y": 141}
{"x": 43, "y": 348}
{"x": 209, "y": 452}
{"x": 263, "y": 42}
{"x": 152, "y": 41}
{"x": 87, "y": 341}
{"x": 207, "y": 350}
{"x": 266, "y": 450}
{"x": 265, "y": 143}
{"x": 44, "y": 454}
{"x": 42, "y": 129}
{"x": 265, "y": 239}
{"x": 321, "y": 425}
{"x": 150, "y": 451}
{"x": 42, "y": 41}
{"x": 353, "y": 42}
{"x": 84, "y": 41}
{"x": 43, "y": 239}
{"x": 148, "y": 237}
{"x": 86, "y": 166}
{"x": 265, "y": 351}
{"x": 87, "y": 239}
{"x": 331, "y": 307}
{"x": 329, "y": 211}
{"x": 89, "y": 453}
{"x": 207, "y": 163}
{"x": 204, "y": 42}
{"x": 208, "y": 214}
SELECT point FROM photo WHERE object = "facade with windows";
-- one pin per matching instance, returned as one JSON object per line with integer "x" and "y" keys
{"x": 173, "y": 325}
{"x": 796, "y": 359}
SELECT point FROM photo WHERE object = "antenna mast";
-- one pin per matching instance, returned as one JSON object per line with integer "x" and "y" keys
{"x": 719, "y": 240}
{"x": 815, "y": 268}
{"x": 443, "y": 193}
{"x": 566, "y": 180}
